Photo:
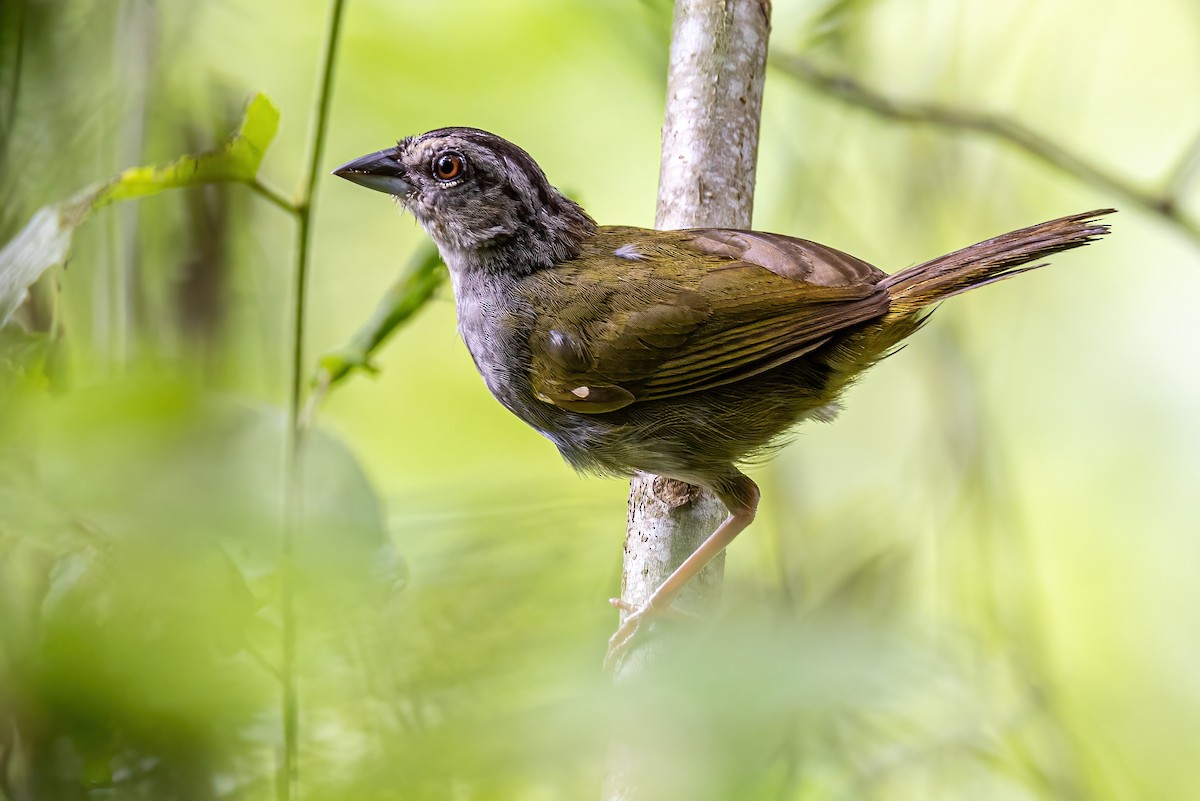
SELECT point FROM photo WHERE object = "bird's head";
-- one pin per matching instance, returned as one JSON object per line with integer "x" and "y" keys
{"x": 483, "y": 200}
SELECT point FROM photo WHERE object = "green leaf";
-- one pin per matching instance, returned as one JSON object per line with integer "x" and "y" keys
{"x": 46, "y": 240}
{"x": 37, "y": 247}
{"x": 424, "y": 274}
{"x": 238, "y": 160}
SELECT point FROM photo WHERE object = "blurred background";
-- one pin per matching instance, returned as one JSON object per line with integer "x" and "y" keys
{"x": 978, "y": 583}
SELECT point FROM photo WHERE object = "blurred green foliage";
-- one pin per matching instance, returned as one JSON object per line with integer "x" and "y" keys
{"x": 978, "y": 583}
{"x": 46, "y": 241}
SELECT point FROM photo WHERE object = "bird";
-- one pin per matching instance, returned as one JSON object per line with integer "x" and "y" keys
{"x": 678, "y": 353}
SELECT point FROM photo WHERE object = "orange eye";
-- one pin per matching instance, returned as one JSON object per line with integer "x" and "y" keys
{"x": 448, "y": 166}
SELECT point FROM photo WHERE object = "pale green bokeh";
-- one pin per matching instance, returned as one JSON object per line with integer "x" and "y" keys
{"x": 977, "y": 583}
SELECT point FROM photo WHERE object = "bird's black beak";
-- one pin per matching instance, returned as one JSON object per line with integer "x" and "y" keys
{"x": 380, "y": 171}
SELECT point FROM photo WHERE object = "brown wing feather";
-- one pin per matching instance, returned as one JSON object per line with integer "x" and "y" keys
{"x": 786, "y": 256}
{"x": 686, "y": 311}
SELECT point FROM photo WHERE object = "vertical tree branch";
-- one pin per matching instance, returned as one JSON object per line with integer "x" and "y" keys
{"x": 710, "y": 143}
{"x": 714, "y": 103}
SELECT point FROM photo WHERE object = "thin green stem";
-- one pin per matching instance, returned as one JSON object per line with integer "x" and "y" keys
{"x": 324, "y": 98}
{"x": 274, "y": 196}
{"x": 305, "y": 205}
{"x": 288, "y": 780}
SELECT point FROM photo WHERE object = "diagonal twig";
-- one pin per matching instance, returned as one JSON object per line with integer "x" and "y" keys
{"x": 849, "y": 90}
{"x": 1187, "y": 169}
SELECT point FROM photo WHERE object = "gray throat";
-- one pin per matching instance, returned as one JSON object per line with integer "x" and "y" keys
{"x": 522, "y": 244}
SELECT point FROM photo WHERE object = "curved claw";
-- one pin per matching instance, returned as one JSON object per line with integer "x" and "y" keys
{"x": 669, "y": 613}
{"x": 626, "y": 634}
{"x": 622, "y": 639}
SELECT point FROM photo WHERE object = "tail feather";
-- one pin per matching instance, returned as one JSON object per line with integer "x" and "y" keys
{"x": 987, "y": 262}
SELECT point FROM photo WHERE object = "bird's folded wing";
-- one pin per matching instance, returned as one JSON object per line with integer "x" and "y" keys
{"x": 690, "y": 312}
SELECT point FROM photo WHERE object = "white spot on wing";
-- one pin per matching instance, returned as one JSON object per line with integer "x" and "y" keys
{"x": 581, "y": 392}
{"x": 629, "y": 252}
{"x": 826, "y": 413}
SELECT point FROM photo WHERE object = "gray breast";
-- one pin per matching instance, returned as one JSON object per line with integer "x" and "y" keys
{"x": 491, "y": 321}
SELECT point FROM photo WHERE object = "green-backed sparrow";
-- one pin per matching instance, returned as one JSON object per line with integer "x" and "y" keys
{"x": 677, "y": 353}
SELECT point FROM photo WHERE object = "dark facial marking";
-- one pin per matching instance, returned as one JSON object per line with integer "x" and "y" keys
{"x": 500, "y": 213}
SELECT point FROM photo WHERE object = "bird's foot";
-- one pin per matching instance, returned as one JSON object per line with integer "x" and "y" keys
{"x": 638, "y": 617}
{"x": 622, "y": 638}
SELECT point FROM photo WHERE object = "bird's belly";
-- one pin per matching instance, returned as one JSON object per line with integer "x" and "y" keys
{"x": 500, "y": 352}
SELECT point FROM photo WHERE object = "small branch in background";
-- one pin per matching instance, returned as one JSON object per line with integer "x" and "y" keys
{"x": 287, "y": 783}
{"x": 274, "y": 196}
{"x": 848, "y": 89}
{"x": 306, "y": 201}
{"x": 1186, "y": 171}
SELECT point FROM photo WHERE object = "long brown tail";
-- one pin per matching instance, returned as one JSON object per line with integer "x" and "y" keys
{"x": 987, "y": 262}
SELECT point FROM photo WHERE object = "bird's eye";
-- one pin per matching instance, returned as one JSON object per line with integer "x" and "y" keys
{"x": 448, "y": 166}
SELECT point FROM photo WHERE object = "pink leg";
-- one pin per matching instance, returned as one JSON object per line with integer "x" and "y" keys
{"x": 740, "y": 496}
